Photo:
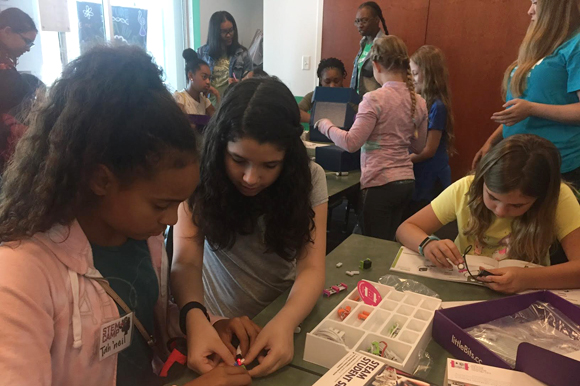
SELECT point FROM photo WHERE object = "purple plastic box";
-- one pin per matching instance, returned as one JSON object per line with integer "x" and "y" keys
{"x": 546, "y": 366}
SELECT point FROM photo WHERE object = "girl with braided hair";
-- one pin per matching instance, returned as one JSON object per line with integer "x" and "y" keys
{"x": 331, "y": 73}
{"x": 368, "y": 21}
{"x": 390, "y": 121}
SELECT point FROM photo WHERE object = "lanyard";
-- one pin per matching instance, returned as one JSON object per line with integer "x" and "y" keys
{"x": 111, "y": 292}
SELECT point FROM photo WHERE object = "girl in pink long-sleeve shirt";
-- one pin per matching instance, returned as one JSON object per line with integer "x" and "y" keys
{"x": 390, "y": 121}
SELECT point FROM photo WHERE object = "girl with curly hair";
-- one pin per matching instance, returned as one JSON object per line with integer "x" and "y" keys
{"x": 94, "y": 182}
{"x": 255, "y": 227}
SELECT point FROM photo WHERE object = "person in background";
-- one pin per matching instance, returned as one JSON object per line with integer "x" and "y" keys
{"x": 192, "y": 100}
{"x": 431, "y": 166}
{"x": 331, "y": 73}
{"x": 389, "y": 122}
{"x": 94, "y": 182}
{"x": 368, "y": 21}
{"x": 17, "y": 35}
{"x": 542, "y": 87}
{"x": 514, "y": 207}
{"x": 228, "y": 60}
{"x": 255, "y": 227}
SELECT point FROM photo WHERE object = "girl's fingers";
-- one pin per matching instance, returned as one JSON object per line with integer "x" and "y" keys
{"x": 451, "y": 252}
{"x": 256, "y": 349}
{"x": 438, "y": 258}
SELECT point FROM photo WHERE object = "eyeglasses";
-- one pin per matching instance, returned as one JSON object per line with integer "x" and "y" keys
{"x": 362, "y": 21}
{"x": 226, "y": 32}
{"x": 463, "y": 266}
{"x": 29, "y": 43}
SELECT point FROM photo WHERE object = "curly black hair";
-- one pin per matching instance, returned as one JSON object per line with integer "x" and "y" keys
{"x": 264, "y": 110}
{"x": 110, "y": 107}
{"x": 330, "y": 63}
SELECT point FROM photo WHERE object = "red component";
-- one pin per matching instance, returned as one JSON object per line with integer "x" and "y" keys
{"x": 175, "y": 357}
{"x": 363, "y": 315}
{"x": 344, "y": 312}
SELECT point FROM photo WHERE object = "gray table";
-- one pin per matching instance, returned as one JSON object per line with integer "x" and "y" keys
{"x": 342, "y": 185}
{"x": 382, "y": 253}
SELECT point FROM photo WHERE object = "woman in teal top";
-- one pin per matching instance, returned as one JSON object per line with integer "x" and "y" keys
{"x": 542, "y": 87}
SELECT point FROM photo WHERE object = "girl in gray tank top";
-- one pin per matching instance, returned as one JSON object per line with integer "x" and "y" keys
{"x": 255, "y": 227}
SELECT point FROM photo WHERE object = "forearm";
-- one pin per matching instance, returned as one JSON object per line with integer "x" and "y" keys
{"x": 186, "y": 283}
{"x": 496, "y": 136}
{"x": 416, "y": 158}
{"x": 423, "y": 156}
{"x": 304, "y": 117}
{"x": 410, "y": 235}
{"x": 561, "y": 276}
{"x": 353, "y": 139}
{"x": 303, "y": 296}
{"x": 566, "y": 114}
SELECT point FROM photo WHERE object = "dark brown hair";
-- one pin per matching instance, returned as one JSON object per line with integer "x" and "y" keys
{"x": 110, "y": 107}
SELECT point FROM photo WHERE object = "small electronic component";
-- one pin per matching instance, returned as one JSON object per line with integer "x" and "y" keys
{"x": 239, "y": 359}
{"x": 394, "y": 330}
{"x": 366, "y": 264}
{"x": 384, "y": 352}
{"x": 344, "y": 312}
{"x": 363, "y": 315}
{"x": 334, "y": 289}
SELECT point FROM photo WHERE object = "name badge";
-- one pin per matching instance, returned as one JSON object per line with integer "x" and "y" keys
{"x": 115, "y": 336}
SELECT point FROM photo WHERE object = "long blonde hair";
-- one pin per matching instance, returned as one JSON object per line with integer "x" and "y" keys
{"x": 433, "y": 67}
{"x": 530, "y": 164}
{"x": 556, "y": 22}
{"x": 391, "y": 53}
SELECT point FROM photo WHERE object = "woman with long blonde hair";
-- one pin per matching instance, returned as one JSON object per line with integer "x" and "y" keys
{"x": 431, "y": 166}
{"x": 389, "y": 121}
{"x": 514, "y": 207}
{"x": 542, "y": 87}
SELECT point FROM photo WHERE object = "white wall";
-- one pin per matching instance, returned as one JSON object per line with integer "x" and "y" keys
{"x": 247, "y": 13}
{"x": 293, "y": 29}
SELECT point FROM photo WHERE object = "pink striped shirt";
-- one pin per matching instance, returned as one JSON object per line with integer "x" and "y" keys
{"x": 385, "y": 131}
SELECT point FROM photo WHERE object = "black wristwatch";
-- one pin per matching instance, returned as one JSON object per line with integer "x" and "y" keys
{"x": 185, "y": 309}
{"x": 424, "y": 243}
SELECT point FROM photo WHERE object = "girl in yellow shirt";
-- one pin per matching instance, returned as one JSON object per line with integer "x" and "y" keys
{"x": 515, "y": 206}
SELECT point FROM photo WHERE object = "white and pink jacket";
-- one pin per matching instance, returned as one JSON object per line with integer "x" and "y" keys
{"x": 51, "y": 310}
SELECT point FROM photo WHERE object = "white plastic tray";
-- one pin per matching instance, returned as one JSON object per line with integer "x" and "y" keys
{"x": 413, "y": 312}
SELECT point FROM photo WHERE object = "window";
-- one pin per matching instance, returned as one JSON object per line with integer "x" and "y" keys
{"x": 157, "y": 26}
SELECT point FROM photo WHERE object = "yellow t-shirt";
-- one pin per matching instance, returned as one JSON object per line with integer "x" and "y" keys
{"x": 452, "y": 205}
